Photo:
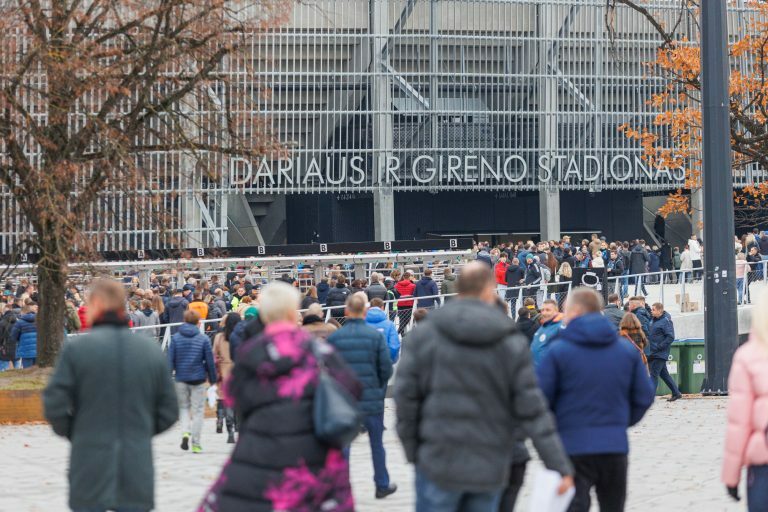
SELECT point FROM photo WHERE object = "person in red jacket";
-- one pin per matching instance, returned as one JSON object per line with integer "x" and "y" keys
{"x": 501, "y": 276}
{"x": 405, "y": 288}
{"x": 83, "y": 314}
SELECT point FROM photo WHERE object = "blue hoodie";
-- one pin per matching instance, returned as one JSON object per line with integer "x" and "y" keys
{"x": 378, "y": 319}
{"x": 597, "y": 386}
{"x": 189, "y": 353}
{"x": 426, "y": 287}
{"x": 24, "y": 333}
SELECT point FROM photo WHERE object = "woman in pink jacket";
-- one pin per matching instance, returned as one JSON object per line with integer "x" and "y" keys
{"x": 745, "y": 442}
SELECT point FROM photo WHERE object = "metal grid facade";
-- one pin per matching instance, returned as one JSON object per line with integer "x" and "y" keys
{"x": 433, "y": 95}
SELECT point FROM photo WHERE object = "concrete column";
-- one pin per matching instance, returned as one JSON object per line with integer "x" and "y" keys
{"x": 383, "y": 137}
{"x": 384, "y": 215}
{"x": 549, "y": 195}
{"x": 549, "y": 213}
{"x": 697, "y": 216}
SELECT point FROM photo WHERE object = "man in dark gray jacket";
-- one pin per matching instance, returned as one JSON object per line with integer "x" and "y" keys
{"x": 613, "y": 310}
{"x": 465, "y": 391}
{"x": 110, "y": 393}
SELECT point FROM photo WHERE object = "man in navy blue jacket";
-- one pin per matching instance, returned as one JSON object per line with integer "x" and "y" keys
{"x": 365, "y": 350}
{"x": 597, "y": 387}
{"x": 662, "y": 334}
{"x": 191, "y": 357}
{"x": 426, "y": 287}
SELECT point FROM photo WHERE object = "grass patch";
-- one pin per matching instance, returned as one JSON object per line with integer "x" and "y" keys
{"x": 24, "y": 380}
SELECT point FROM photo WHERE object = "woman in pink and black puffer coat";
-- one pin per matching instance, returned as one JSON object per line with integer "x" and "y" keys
{"x": 278, "y": 463}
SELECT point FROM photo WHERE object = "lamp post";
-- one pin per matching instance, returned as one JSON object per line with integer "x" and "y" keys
{"x": 720, "y": 314}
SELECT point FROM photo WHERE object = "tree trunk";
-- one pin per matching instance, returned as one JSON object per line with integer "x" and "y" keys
{"x": 51, "y": 281}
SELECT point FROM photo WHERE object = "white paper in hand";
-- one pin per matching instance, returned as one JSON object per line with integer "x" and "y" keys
{"x": 545, "y": 497}
{"x": 212, "y": 396}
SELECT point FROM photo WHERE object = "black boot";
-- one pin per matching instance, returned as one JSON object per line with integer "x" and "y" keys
{"x": 219, "y": 416}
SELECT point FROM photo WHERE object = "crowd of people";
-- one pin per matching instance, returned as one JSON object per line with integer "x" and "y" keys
{"x": 472, "y": 386}
{"x": 475, "y": 381}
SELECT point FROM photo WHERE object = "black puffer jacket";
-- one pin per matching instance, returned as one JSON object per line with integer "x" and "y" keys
{"x": 464, "y": 390}
{"x": 337, "y": 297}
{"x": 277, "y": 443}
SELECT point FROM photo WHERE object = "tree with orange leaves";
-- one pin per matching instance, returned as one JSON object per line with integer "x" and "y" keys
{"x": 674, "y": 140}
{"x": 90, "y": 91}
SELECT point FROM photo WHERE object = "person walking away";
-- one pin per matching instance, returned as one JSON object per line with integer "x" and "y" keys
{"x": 654, "y": 265}
{"x": 613, "y": 310}
{"x": 337, "y": 297}
{"x": 630, "y": 329}
{"x": 313, "y": 322}
{"x": 526, "y": 325}
{"x": 427, "y": 287}
{"x": 514, "y": 277}
{"x": 696, "y": 253}
{"x": 24, "y": 335}
{"x": 662, "y": 334}
{"x": 198, "y": 305}
{"x": 501, "y": 276}
{"x": 323, "y": 288}
{"x": 597, "y": 387}
{"x": 7, "y": 343}
{"x": 448, "y": 286}
{"x": 376, "y": 290}
{"x": 109, "y": 394}
{"x": 223, "y": 360}
{"x": 405, "y": 288}
{"x": 174, "y": 310}
{"x": 191, "y": 359}
{"x": 742, "y": 269}
{"x": 365, "y": 351}
{"x": 277, "y": 462}
{"x": 309, "y": 298}
{"x": 551, "y": 325}
{"x": 377, "y": 318}
{"x": 147, "y": 317}
{"x": 686, "y": 265}
{"x": 71, "y": 320}
{"x": 638, "y": 264}
{"x": 745, "y": 440}
{"x": 460, "y": 436}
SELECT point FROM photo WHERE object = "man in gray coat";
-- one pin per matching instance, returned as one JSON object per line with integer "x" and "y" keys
{"x": 465, "y": 391}
{"x": 613, "y": 310}
{"x": 110, "y": 393}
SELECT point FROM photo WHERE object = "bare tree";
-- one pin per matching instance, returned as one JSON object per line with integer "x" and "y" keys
{"x": 89, "y": 90}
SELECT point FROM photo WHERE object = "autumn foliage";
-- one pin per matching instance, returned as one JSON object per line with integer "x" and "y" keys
{"x": 92, "y": 92}
{"x": 674, "y": 139}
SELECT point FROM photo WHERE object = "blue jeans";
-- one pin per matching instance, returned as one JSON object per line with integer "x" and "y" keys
{"x": 27, "y": 362}
{"x": 374, "y": 425}
{"x": 740, "y": 289}
{"x": 658, "y": 369}
{"x": 431, "y": 498}
{"x": 757, "y": 488}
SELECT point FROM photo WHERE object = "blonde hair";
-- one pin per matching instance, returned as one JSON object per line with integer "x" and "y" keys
{"x": 279, "y": 301}
{"x": 759, "y": 319}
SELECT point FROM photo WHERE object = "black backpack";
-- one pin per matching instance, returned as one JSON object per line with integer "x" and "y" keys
{"x": 7, "y": 345}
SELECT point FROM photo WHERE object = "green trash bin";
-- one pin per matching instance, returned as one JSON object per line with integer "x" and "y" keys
{"x": 673, "y": 367}
{"x": 692, "y": 365}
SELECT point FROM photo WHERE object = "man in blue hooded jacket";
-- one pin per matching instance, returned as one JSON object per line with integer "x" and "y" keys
{"x": 377, "y": 318}
{"x": 662, "y": 334}
{"x": 597, "y": 387}
{"x": 551, "y": 325}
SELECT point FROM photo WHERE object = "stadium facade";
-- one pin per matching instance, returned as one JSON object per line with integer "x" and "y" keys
{"x": 407, "y": 119}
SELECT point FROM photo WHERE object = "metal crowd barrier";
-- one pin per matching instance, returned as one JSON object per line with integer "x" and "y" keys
{"x": 681, "y": 291}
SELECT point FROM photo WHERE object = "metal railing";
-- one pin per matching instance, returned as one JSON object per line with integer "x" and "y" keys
{"x": 684, "y": 288}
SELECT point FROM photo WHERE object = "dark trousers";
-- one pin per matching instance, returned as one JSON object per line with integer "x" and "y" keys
{"x": 405, "y": 318}
{"x": 515, "y": 482}
{"x": 757, "y": 488}
{"x": 658, "y": 368}
{"x": 607, "y": 474}
{"x": 374, "y": 425}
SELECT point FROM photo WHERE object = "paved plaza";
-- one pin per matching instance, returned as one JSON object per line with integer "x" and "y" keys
{"x": 675, "y": 464}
